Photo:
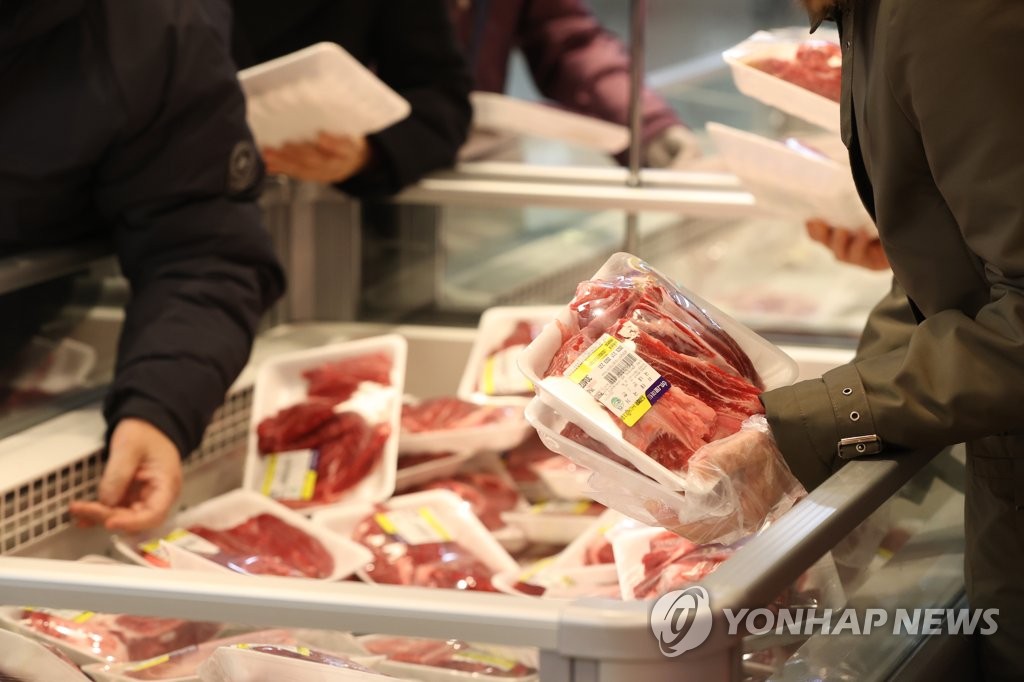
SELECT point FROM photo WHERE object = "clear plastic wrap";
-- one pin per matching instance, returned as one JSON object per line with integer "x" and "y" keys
{"x": 181, "y": 665}
{"x": 442, "y": 660}
{"x": 655, "y": 381}
{"x": 283, "y": 663}
{"x": 88, "y": 637}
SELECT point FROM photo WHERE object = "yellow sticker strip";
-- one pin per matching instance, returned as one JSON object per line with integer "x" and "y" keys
{"x": 433, "y": 522}
{"x": 638, "y": 409}
{"x": 595, "y": 358}
{"x": 268, "y": 475}
{"x": 151, "y": 663}
{"x": 309, "y": 486}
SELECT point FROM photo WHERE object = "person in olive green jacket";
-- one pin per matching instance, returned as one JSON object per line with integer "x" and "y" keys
{"x": 931, "y": 114}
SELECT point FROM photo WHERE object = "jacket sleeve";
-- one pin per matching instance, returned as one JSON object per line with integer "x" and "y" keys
{"x": 958, "y": 377}
{"x": 179, "y": 189}
{"x": 583, "y": 67}
{"x": 415, "y": 53}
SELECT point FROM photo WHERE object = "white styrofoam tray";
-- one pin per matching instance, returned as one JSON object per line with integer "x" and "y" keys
{"x": 497, "y": 436}
{"x": 775, "y": 91}
{"x": 791, "y": 181}
{"x": 279, "y": 384}
{"x": 318, "y": 88}
{"x": 234, "y": 508}
{"x": 28, "y": 660}
{"x": 426, "y": 673}
{"x": 431, "y": 470}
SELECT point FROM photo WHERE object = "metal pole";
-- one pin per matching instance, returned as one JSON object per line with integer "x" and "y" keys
{"x": 638, "y": 18}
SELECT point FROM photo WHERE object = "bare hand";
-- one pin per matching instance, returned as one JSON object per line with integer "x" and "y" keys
{"x": 140, "y": 483}
{"x": 328, "y": 159}
{"x": 857, "y": 248}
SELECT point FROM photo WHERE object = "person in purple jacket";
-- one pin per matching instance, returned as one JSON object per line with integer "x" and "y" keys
{"x": 574, "y": 61}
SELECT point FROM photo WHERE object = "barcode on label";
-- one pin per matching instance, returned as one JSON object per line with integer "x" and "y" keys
{"x": 620, "y": 368}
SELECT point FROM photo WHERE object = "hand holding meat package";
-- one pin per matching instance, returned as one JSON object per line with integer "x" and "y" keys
{"x": 282, "y": 663}
{"x": 325, "y": 423}
{"x": 654, "y": 381}
{"x": 24, "y": 660}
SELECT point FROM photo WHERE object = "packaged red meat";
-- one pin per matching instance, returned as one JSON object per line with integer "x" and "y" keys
{"x": 450, "y": 424}
{"x": 492, "y": 373}
{"x": 786, "y": 70}
{"x": 435, "y": 660}
{"x": 426, "y": 539}
{"x": 653, "y": 561}
{"x": 88, "y": 637}
{"x": 416, "y": 469}
{"x": 654, "y": 379}
{"x": 325, "y": 423}
{"x": 489, "y": 495}
{"x": 265, "y": 662}
{"x": 25, "y": 660}
{"x": 554, "y": 523}
{"x": 245, "y": 532}
{"x": 182, "y": 665}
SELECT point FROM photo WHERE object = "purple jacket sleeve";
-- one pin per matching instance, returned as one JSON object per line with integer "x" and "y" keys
{"x": 582, "y": 66}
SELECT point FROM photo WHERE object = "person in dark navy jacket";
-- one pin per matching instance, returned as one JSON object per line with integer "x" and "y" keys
{"x": 123, "y": 120}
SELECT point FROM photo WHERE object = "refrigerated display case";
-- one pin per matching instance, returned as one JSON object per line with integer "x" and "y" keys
{"x": 496, "y": 233}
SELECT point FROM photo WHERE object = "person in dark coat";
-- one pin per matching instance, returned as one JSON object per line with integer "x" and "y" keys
{"x": 931, "y": 114}
{"x": 574, "y": 61}
{"x": 124, "y": 120}
{"x": 409, "y": 44}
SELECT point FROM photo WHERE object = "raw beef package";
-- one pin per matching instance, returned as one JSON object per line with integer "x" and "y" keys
{"x": 325, "y": 424}
{"x": 652, "y": 380}
{"x": 183, "y": 665}
{"x": 785, "y": 69}
{"x": 245, "y": 532}
{"x": 281, "y": 663}
{"x": 451, "y": 424}
{"x": 492, "y": 372}
{"x": 426, "y": 539}
{"x": 435, "y": 660}
{"x": 87, "y": 637}
{"x": 23, "y": 660}
{"x": 653, "y": 561}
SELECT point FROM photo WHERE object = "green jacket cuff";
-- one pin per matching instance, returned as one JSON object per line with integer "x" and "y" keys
{"x": 808, "y": 419}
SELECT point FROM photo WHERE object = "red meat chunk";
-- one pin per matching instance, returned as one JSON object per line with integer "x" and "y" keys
{"x": 443, "y": 564}
{"x": 337, "y": 381}
{"x": 349, "y": 447}
{"x": 672, "y": 562}
{"x": 487, "y": 494}
{"x": 267, "y": 545}
{"x": 447, "y": 413}
{"x": 817, "y": 66}
{"x": 121, "y": 638}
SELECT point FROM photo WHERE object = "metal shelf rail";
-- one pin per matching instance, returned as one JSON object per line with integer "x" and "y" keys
{"x": 584, "y": 641}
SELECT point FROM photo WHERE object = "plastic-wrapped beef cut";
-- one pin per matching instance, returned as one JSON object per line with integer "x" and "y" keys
{"x": 712, "y": 384}
{"x": 337, "y": 381}
{"x": 266, "y": 545}
{"x": 411, "y": 548}
{"x": 118, "y": 637}
{"x": 673, "y": 562}
{"x": 345, "y": 446}
{"x": 449, "y": 413}
{"x": 487, "y": 494}
{"x": 452, "y": 654}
